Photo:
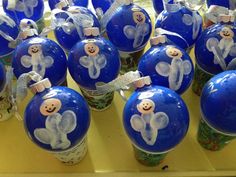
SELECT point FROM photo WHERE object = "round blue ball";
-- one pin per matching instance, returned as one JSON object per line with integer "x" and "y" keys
{"x": 218, "y": 102}
{"x": 129, "y": 28}
{"x": 104, "y": 68}
{"x": 166, "y": 68}
{"x": 51, "y": 56}
{"x": 156, "y": 119}
{"x": 41, "y": 127}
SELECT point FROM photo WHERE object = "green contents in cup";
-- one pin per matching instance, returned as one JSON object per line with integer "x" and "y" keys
{"x": 211, "y": 139}
{"x": 98, "y": 102}
{"x": 148, "y": 159}
{"x": 200, "y": 79}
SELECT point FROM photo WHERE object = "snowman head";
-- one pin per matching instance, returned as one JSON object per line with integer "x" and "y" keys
{"x": 139, "y": 17}
{"x": 50, "y": 106}
{"x": 91, "y": 49}
{"x": 173, "y": 53}
{"x": 226, "y": 33}
{"x": 146, "y": 106}
{"x": 35, "y": 49}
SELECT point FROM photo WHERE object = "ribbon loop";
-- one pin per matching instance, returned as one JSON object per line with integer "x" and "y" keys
{"x": 22, "y": 84}
{"x": 110, "y": 12}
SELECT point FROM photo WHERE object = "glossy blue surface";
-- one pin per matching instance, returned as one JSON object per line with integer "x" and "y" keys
{"x": 225, "y": 3}
{"x": 102, "y": 4}
{"x": 158, "y": 5}
{"x": 2, "y": 77}
{"x": 171, "y": 127}
{"x": 178, "y": 74}
{"x": 52, "y": 3}
{"x": 50, "y": 56}
{"x": 36, "y": 120}
{"x": 32, "y": 9}
{"x": 103, "y": 69}
{"x": 205, "y": 57}
{"x": 68, "y": 40}
{"x": 218, "y": 102}
{"x": 11, "y": 30}
{"x": 173, "y": 22}
{"x": 138, "y": 33}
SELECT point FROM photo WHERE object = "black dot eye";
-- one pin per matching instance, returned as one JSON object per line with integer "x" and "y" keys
{"x": 46, "y": 107}
{"x": 52, "y": 104}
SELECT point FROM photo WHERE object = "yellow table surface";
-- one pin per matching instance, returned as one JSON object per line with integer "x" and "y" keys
{"x": 110, "y": 152}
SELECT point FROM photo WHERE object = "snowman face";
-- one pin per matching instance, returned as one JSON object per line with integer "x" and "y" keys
{"x": 139, "y": 17}
{"x": 34, "y": 49}
{"x": 173, "y": 52}
{"x": 226, "y": 33}
{"x": 50, "y": 106}
{"x": 146, "y": 106}
{"x": 91, "y": 49}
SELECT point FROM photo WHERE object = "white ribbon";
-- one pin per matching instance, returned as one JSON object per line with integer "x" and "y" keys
{"x": 22, "y": 84}
{"x": 123, "y": 82}
{"x": 110, "y": 12}
{"x": 160, "y": 31}
{"x": 214, "y": 11}
{"x": 9, "y": 22}
{"x": 80, "y": 21}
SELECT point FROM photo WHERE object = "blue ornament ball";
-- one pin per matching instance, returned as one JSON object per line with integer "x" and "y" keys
{"x": 168, "y": 65}
{"x": 31, "y": 9}
{"x": 102, "y": 6}
{"x": 218, "y": 102}
{"x": 42, "y": 55}
{"x": 2, "y": 77}
{"x": 8, "y": 27}
{"x": 225, "y": 3}
{"x": 68, "y": 35}
{"x": 158, "y": 5}
{"x": 92, "y": 61}
{"x": 129, "y": 28}
{"x": 215, "y": 49}
{"x": 156, "y": 119}
{"x": 53, "y": 3}
{"x": 184, "y": 24}
{"x": 57, "y": 119}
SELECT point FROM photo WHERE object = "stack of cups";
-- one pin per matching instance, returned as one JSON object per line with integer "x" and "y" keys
{"x": 94, "y": 61}
{"x": 57, "y": 119}
{"x": 156, "y": 119}
{"x": 218, "y": 108}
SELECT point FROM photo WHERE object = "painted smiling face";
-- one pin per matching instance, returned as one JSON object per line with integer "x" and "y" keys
{"x": 139, "y": 17}
{"x": 226, "y": 33}
{"x": 173, "y": 52}
{"x": 34, "y": 49}
{"x": 50, "y": 106}
{"x": 91, "y": 49}
{"x": 146, "y": 106}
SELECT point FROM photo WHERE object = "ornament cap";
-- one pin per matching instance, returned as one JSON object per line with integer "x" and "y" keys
{"x": 143, "y": 81}
{"x": 226, "y": 18}
{"x": 92, "y": 31}
{"x": 160, "y": 39}
{"x": 41, "y": 86}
